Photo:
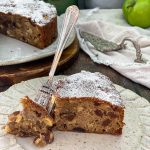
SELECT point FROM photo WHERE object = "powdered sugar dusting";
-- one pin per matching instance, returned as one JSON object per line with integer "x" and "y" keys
{"x": 87, "y": 84}
{"x": 38, "y": 11}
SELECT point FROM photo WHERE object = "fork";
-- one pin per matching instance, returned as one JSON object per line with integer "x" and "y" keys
{"x": 45, "y": 92}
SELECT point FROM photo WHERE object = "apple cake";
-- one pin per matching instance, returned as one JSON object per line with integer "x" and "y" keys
{"x": 88, "y": 102}
{"x": 31, "y": 21}
{"x": 33, "y": 120}
{"x": 83, "y": 102}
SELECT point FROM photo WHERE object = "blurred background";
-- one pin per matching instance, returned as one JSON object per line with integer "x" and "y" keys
{"x": 61, "y": 5}
{"x": 104, "y": 4}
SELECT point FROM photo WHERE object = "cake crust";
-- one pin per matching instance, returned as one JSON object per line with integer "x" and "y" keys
{"x": 86, "y": 84}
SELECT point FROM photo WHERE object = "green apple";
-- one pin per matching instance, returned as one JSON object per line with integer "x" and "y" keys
{"x": 137, "y": 12}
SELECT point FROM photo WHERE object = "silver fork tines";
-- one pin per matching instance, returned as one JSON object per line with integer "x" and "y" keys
{"x": 44, "y": 95}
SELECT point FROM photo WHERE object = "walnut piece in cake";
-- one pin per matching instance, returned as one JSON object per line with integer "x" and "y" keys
{"x": 88, "y": 102}
{"x": 33, "y": 120}
{"x": 31, "y": 21}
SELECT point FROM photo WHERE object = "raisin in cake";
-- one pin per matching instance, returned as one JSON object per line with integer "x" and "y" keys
{"x": 31, "y": 21}
{"x": 33, "y": 120}
{"x": 88, "y": 102}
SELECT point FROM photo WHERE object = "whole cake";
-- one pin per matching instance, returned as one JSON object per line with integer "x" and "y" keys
{"x": 31, "y": 21}
{"x": 88, "y": 102}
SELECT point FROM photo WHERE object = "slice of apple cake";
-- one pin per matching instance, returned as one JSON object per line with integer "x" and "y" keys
{"x": 84, "y": 102}
{"x": 88, "y": 102}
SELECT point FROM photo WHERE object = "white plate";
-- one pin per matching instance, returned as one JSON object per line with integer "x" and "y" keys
{"x": 136, "y": 132}
{"x": 13, "y": 51}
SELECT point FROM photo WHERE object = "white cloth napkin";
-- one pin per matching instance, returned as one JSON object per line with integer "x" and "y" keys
{"x": 123, "y": 60}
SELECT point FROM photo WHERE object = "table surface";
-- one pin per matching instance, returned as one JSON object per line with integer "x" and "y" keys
{"x": 83, "y": 62}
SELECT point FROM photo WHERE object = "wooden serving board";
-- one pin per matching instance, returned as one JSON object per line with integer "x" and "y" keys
{"x": 10, "y": 75}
